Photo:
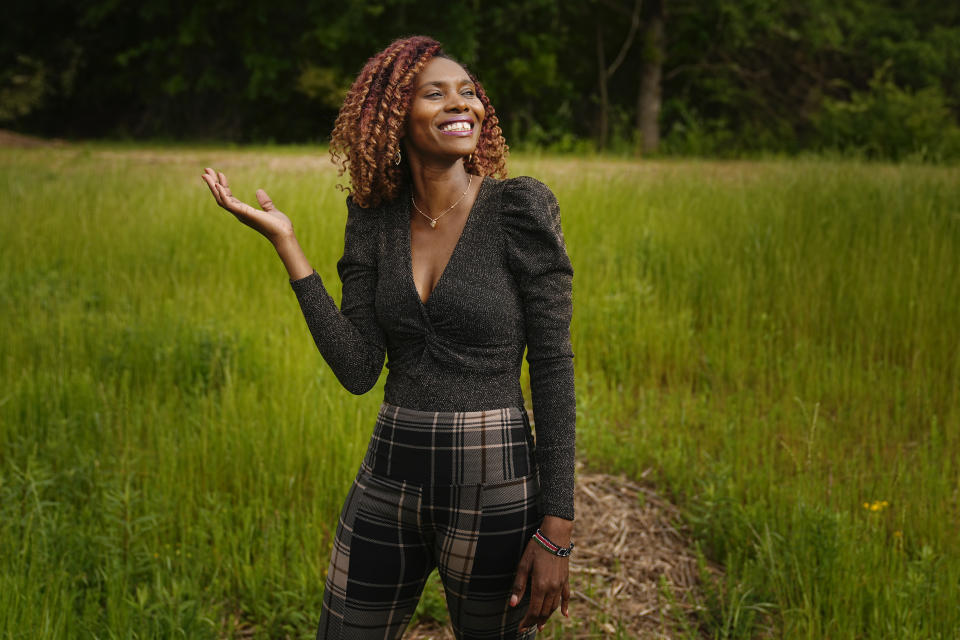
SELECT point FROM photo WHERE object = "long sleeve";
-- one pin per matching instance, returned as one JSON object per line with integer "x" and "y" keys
{"x": 348, "y": 338}
{"x": 530, "y": 220}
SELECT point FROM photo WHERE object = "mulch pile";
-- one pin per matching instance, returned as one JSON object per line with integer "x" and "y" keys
{"x": 21, "y": 141}
{"x": 633, "y": 572}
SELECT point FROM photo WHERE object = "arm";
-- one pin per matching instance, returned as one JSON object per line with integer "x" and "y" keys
{"x": 348, "y": 338}
{"x": 544, "y": 274}
{"x": 350, "y": 341}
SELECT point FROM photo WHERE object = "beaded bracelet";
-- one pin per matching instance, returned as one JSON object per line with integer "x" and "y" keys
{"x": 557, "y": 550}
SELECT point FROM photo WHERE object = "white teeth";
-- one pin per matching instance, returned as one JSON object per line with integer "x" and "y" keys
{"x": 456, "y": 126}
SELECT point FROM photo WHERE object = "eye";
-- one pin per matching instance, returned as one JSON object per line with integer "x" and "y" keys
{"x": 469, "y": 92}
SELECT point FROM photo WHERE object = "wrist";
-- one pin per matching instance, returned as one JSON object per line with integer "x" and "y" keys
{"x": 551, "y": 547}
{"x": 559, "y": 530}
{"x": 285, "y": 239}
{"x": 292, "y": 256}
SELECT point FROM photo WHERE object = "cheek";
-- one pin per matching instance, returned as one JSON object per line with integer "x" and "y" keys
{"x": 480, "y": 113}
{"x": 418, "y": 124}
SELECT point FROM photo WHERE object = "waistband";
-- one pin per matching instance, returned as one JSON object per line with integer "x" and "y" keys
{"x": 451, "y": 447}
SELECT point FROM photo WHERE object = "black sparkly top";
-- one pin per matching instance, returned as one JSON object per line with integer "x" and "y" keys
{"x": 507, "y": 286}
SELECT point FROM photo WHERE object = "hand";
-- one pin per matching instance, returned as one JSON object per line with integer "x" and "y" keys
{"x": 270, "y": 222}
{"x": 549, "y": 575}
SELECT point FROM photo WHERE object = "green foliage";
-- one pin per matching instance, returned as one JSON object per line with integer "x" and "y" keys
{"x": 433, "y": 605}
{"x": 738, "y": 77}
{"x": 22, "y": 88}
{"x": 890, "y": 122}
{"x": 774, "y": 343}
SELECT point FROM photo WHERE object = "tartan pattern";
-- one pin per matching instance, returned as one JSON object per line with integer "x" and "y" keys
{"x": 451, "y": 447}
{"x": 396, "y": 527}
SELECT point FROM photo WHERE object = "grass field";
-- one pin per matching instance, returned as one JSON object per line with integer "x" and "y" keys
{"x": 777, "y": 341}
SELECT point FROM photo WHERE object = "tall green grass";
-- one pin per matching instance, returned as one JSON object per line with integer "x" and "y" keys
{"x": 776, "y": 341}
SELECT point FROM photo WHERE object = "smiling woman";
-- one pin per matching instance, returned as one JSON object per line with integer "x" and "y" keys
{"x": 451, "y": 273}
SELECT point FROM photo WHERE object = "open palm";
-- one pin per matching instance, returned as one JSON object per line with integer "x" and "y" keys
{"x": 269, "y": 221}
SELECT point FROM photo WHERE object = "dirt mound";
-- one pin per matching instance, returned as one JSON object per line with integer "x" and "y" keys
{"x": 21, "y": 141}
{"x": 633, "y": 573}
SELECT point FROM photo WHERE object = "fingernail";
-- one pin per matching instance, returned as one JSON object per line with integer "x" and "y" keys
{"x": 513, "y": 600}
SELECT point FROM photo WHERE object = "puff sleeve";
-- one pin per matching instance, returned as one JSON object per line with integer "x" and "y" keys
{"x": 530, "y": 221}
{"x": 348, "y": 338}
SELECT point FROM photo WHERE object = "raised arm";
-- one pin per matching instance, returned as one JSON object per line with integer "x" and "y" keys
{"x": 349, "y": 339}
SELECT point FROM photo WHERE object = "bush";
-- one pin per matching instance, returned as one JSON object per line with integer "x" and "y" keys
{"x": 888, "y": 121}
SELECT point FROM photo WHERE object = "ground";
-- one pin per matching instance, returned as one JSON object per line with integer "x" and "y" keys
{"x": 634, "y": 573}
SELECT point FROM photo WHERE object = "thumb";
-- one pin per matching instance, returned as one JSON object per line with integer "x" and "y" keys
{"x": 265, "y": 202}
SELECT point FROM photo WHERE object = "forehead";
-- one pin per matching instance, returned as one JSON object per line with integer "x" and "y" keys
{"x": 443, "y": 71}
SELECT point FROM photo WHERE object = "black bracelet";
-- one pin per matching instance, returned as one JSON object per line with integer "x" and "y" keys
{"x": 555, "y": 549}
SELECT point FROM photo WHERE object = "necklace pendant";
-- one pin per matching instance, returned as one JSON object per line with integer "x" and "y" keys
{"x": 433, "y": 224}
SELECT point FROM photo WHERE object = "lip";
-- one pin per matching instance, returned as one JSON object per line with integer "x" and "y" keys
{"x": 458, "y": 134}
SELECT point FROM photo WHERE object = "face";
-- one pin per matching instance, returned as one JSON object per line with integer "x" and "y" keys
{"x": 445, "y": 114}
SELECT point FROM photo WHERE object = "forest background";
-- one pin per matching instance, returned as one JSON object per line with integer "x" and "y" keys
{"x": 769, "y": 339}
{"x": 874, "y": 78}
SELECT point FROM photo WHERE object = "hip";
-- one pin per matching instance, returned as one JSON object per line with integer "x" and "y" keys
{"x": 451, "y": 447}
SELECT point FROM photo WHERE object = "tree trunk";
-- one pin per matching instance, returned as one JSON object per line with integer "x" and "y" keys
{"x": 602, "y": 126}
{"x": 650, "y": 96}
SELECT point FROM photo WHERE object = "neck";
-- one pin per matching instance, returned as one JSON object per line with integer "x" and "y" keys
{"x": 436, "y": 187}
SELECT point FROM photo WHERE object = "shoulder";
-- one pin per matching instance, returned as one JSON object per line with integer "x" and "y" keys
{"x": 363, "y": 232}
{"x": 529, "y": 191}
{"x": 365, "y": 220}
{"x": 355, "y": 210}
{"x": 528, "y": 206}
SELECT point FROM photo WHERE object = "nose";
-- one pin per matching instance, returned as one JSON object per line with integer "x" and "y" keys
{"x": 457, "y": 102}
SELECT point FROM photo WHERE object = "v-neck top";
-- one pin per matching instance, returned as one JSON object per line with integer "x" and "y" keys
{"x": 506, "y": 287}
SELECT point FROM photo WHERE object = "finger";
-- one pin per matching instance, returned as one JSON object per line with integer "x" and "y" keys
{"x": 520, "y": 581}
{"x": 536, "y": 603}
{"x": 526, "y": 622}
{"x": 214, "y": 189}
{"x": 565, "y": 600}
{"x": 550, "y": 602}
{"x": 265, "y": 202}
{"x": 223, "y": 198}
{"x": 226, "y": 185}
{"x": 555, "y": 604}
{"x": 546, "y": 608}
{"x": 231, "y": 204}
{"x": 214, "y": 175}
{"x": 206, "y": 180}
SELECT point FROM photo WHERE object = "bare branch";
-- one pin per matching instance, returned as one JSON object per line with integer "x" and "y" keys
{"x": 628, "y": 42}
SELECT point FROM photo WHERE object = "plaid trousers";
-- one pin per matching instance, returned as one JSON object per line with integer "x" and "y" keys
{"x": 452, "y": 490}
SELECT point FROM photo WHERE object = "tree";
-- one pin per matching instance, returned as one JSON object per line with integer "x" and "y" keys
{"x": 649, "y": 97}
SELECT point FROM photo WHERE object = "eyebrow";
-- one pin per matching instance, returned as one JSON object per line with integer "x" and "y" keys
{"x": 440, "y": 83}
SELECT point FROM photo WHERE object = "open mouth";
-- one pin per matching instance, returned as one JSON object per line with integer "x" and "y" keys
{"x": 458, "y": 126}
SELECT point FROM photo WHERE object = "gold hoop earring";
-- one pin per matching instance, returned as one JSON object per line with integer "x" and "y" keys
{"x": 397, "y": 158}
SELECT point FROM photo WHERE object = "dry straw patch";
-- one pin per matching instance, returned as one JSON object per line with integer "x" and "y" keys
{"x": 631, "y": 553}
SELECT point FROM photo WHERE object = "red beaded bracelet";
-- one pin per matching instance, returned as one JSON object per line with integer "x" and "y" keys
{"x": 557, "y": 550}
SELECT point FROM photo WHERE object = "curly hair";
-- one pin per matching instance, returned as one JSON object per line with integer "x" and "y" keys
{"x": 371, "y": 122}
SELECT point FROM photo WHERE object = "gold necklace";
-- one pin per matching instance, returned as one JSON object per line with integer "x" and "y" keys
{"x": 433, "y": 221}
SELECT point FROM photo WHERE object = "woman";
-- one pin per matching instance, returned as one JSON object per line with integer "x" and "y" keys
{"x": 451, "y": 273}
